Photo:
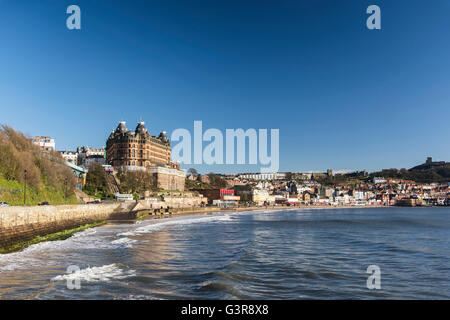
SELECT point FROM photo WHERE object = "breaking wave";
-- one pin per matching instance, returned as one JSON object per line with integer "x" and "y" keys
{"x": 157, "y": 226}
{"x": 95, "y": 274}
{"x": 125, "y": 241}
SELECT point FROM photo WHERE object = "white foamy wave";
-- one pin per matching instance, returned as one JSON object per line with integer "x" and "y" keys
{"x": 24, "y": 259}
{"x": 95, "y": 274}
{"x": 126, "y": 241}
{"x": 36, "y": 254}
{"x": 152, "y": 227}
{"x": 87, "y": 232}
{"x": 126, "y": 234}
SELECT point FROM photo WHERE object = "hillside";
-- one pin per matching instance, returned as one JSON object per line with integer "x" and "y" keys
{"x": 47, "y": 177}
{"x": 425, "y": 173}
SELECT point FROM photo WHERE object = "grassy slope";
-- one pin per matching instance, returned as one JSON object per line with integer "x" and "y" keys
{"x": 12, "y": 193}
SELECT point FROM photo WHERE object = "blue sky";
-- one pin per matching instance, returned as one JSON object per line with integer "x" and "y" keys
{"x": 342, "y": 96}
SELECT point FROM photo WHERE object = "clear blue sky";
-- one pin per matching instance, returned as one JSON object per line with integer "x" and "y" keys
{"x": 343, "y": 97}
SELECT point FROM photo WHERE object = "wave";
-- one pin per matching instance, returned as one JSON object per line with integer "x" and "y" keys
{"x": 157, "y": 226}
{"x": 91, "y": 239}
{"x": 105, "y": 273}
{"x": 125, "y": 241}
{"x": 38, "y": 254}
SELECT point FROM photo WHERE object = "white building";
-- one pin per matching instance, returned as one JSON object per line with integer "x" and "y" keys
{"x": 70, "y": 156}
{"x": 94, "y": 159}
{"x": 263, "y": 176}
{"x": 377, "y": 180}
{"x": 45, "y": 143}
{"x": 303, "y": 188}
{"x": 87, "y": 156}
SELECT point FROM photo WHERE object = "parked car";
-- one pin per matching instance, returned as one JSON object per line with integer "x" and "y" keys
{"x": 4, "y": 204}
{"x": 45, "y": 203}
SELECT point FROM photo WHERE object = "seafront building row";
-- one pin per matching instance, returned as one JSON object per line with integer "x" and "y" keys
{"x": 139, "y": 150}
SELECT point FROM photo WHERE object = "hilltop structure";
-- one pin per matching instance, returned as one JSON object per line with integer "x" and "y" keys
{"x": 430, "y": 164}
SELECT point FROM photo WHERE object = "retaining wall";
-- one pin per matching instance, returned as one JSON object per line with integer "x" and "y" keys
{"x": 24, "y": 223}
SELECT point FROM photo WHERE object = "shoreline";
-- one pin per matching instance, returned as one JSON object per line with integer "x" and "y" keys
{"x": 210, "y": 211}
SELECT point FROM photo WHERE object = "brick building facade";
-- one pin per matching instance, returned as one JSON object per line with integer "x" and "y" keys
{"x": 137, "y": 148}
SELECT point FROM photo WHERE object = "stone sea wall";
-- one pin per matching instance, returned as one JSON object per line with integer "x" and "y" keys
{"x": 24, "y": 223}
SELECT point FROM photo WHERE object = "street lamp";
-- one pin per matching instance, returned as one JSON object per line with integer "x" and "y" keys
{"x": 25, "y": 189}
{"x": 65, "y": 189}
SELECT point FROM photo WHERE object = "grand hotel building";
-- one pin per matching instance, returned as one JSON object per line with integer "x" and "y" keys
{"x": 138, "y": 150}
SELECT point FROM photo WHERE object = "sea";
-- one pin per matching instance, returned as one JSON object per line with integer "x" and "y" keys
{"x": 336, "y": 253}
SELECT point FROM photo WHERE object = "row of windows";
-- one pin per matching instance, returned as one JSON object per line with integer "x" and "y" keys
{"x": 152, "y": 140}
{"x": 142, "y": 147}
{"x": 132, "y": 163}
{"x": 132, "y": 154}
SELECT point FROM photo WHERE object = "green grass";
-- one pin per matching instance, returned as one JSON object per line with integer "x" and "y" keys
{"x": 62, "y": 235}
{"x": 12, "y": 192}
{"x": 142, "y": 217}
{"x": 98, "y": 194}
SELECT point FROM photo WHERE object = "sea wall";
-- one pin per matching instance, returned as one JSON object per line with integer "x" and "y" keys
{"x": 184, "y": 202}
{"x": 24, "y": 223}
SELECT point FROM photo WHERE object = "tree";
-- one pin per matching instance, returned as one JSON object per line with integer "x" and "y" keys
{"x": 18, "y": 153}
{"x": 288, "y": 176}
{"x": 216, "y": 181}
{"x": 45, "y": 170}
{"x": 136, "y": 182}
{"x": 96, "y": 178}
{"x": 193, "y": 171}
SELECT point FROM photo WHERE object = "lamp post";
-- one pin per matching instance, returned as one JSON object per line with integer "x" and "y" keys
{"x": 65, "y": 189}
{"x": 25, "y": 189}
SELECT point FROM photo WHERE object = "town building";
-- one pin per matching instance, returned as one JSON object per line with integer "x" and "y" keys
{"x": 305, "y": 197}
{"x": 88, "y": 156}
{"x": 45, "y": 143}
{"x": 169, "y": 178}
{"x": 263, "y": 176}
{"x": 326, "y": 192}
{"x": 260, "y": 196}
{"x": 220, "y": 197}
{"x": 70, "y": 156}
{"x": 377, "y": 180}
{"x": 137, "y": 148}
